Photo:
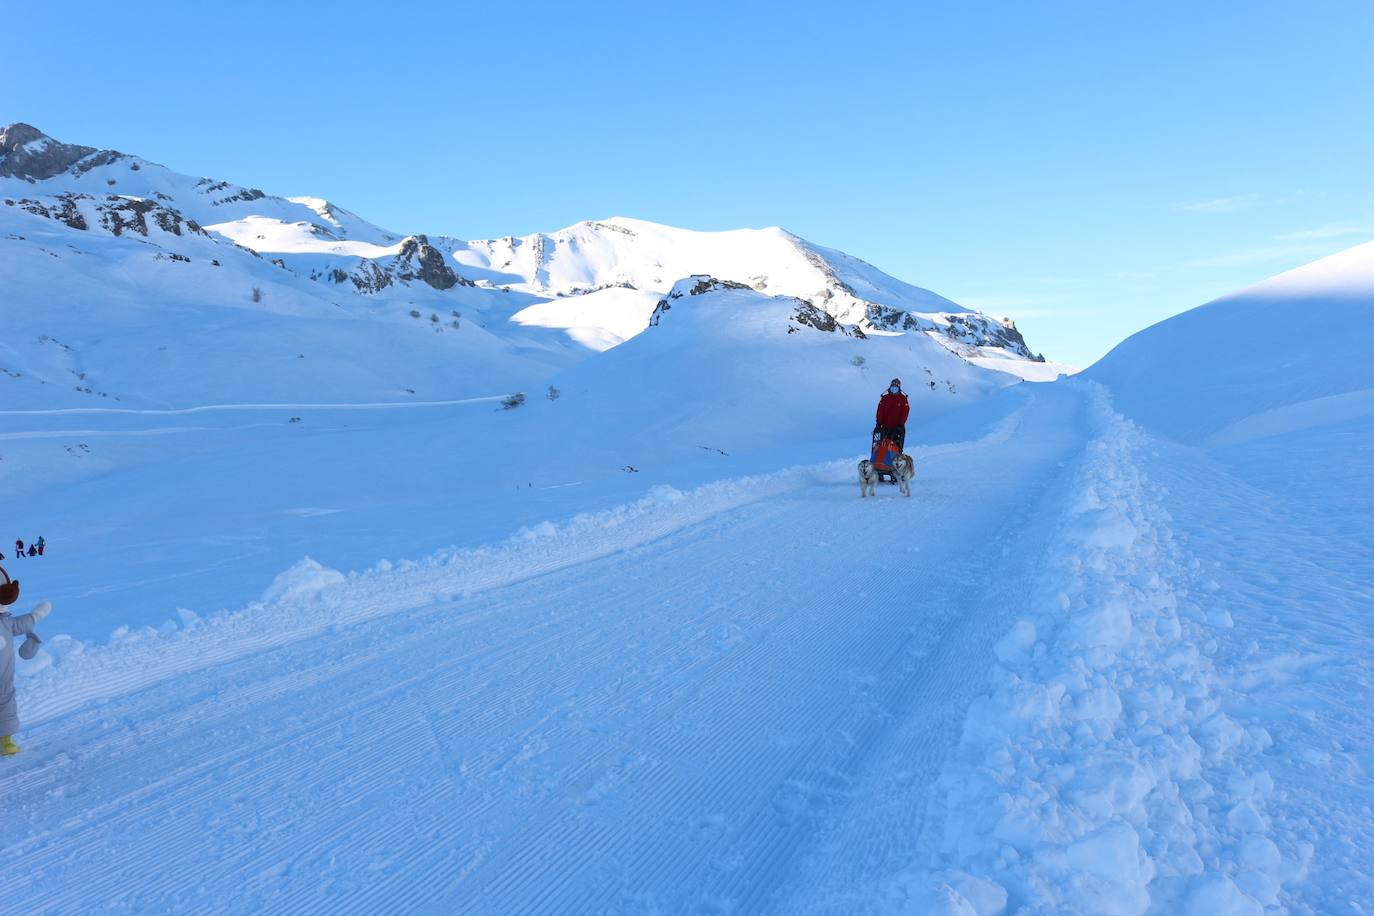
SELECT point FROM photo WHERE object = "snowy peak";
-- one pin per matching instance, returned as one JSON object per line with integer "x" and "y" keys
{"x": 31, "y": 155}
{"x": 32, "y": 164}
{"x": 640, "y": 255}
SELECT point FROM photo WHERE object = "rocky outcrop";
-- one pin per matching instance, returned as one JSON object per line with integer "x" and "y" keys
{"x": 120, "y": 214}
{"x": 62, "y": 208}
{"x": 980, "y": 331}
{"x": 96, "y": 160}
{"x": 700, "y": 283}
{"x": 967, "y": 329}
{"x": 210, "y": 188}
{"x": 807, "y": 315}
{"x": 695, "y": 285}
{"x": 886, "y": 318}
{"x": 117, "y": 214}
{"x": 370, "y": 277}
{"x": 584, "y": 290}
{"x": 804, "y": 314}
{"x": 28, "y": 153}
{"x": 419, "y": 260}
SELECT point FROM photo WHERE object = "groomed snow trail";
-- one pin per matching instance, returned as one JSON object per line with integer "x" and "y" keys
{"x": 666, "y": 728}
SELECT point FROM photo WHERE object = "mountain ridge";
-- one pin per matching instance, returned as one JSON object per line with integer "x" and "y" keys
{"x": 157, "y": 239}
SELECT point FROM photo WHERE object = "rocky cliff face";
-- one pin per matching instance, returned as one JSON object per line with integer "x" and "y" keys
{"x": 419, "y": 260}
{"x": 955, "y": 329}
{"x": 114, "y": 214}
{"x": 28, "y": 153}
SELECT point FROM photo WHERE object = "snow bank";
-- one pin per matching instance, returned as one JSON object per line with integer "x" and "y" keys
{"x": 1101, "y": 774}
{"x": 307, "y": 579}
{"x": 309, "y": 598}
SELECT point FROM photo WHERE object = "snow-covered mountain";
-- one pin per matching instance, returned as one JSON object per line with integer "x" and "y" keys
{"x": 724, "y": 364}
{"x": 121, "y": 272}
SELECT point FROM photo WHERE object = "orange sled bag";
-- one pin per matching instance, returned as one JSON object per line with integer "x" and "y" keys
{"x": 885, "y": 452}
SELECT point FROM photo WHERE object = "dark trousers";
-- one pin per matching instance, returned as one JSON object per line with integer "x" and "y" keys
{"x": 896, "y": 433}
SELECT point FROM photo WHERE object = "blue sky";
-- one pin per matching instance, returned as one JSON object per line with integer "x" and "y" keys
{"x": 1086, "y": 168}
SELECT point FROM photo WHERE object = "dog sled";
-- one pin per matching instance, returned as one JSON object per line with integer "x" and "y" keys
{"x": 884, "y": 457}
{"x": 886, "y": 463}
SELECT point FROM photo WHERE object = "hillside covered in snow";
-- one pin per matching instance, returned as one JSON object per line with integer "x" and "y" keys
{"x": 166, "y": 331}
{"x": 532, "y": 575}
{"x": 123, "y": 272}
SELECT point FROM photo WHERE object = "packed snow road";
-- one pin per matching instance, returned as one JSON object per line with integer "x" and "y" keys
{"x": 665, "y": 727}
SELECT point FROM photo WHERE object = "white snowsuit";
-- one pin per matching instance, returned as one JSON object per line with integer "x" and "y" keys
{"x": 10, "y": 627}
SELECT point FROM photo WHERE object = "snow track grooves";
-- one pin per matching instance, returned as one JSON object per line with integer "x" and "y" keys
{"x": 663, "y": 728}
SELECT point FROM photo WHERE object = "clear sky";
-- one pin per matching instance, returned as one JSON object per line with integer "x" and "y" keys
{"x": 1087, "y": 168}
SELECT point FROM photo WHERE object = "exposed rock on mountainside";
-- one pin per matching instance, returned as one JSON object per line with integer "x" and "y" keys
{"x": 967, "y": 328}
{"x": 981, "y": 331}
{"x": 63, "y": 209}
{"x": 28, "y": 153}
{"x": 804, "y": 314}
{"x": 419, "y": 260}
{"x": 370, "y": 277}
{"x": 812, "y": 317}
{"x": 115, "y": 214}
{"x": 692, "y": 286}
{"x": 118, "y": 214}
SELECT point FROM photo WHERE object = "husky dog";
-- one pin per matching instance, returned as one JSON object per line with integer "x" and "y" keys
{"x": 904, "y": 467}
{"x": 868, "y": 479}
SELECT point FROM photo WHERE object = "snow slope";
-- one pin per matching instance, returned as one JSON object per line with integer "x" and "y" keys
{"x": 654, "y": 708}
{"x": 725, "y": 366}
{"x": 728, "y": 382}
{"x": 1284, "y": 345}
{"x": 726, "y": 698}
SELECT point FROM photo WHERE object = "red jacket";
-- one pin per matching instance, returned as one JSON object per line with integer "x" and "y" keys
{"x": 893, "y": 409}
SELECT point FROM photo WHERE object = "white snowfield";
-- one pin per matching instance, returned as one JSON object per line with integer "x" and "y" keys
{"x": 761, "y": 695}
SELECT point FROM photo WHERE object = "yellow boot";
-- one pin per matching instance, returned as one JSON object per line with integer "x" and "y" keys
{"x": 7, "y": 746}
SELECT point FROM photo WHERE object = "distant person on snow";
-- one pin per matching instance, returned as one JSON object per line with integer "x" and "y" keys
{"x": 893, "y": 409}
{"x": 33, "y": 551}
{"x": 18, "y": 547}
{"x": 11, "y": 627}
{"x": 41, "y": 542}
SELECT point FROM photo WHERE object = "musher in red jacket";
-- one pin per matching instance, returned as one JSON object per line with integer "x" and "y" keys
{"x": 892, "y": 413}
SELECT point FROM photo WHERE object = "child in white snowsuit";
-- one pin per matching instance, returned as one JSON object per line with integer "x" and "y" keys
{"x": 11, "y": 627}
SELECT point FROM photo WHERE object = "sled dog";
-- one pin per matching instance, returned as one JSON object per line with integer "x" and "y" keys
{"x": 903, "y": 469}
{"x": 868, "y": 479}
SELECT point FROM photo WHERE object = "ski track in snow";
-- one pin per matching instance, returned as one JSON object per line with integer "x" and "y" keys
{"x": 215, "y": 408}
{"x": 765, "y": 695}
{"x": 636, "y": 710}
